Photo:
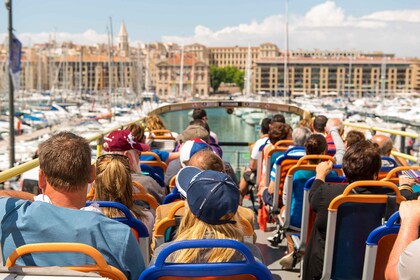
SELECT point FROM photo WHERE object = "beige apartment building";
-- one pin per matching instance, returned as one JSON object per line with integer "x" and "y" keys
{"x": 172, "y": 71}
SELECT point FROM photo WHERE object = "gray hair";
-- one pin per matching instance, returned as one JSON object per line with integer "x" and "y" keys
{"x": 300, "y": 135}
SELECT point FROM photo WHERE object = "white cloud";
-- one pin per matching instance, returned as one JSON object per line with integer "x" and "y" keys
{"x": 324, "y": 26}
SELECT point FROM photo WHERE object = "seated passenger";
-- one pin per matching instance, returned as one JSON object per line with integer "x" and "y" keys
{"x": 138, "y": 132}
{"x": 123, "y": 142}
{"x": 201, "y": 114}
{"x": 54, "y": 216}
{"x": 360, "y": 162}
{"x": 403, "y": 260}
{"x": 205, "y": 160}
{"x": 113, "y": 183}
{"x": 386, "y": 146}
{"x": 210, "y": 212}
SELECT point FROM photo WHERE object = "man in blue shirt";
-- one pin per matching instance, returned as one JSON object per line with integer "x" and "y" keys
{"x": 54, "y": 215}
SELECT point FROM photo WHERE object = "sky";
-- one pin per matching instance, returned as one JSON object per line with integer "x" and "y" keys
{"x": 391, "y": 26}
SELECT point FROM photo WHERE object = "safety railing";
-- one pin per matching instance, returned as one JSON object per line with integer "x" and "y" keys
{"x": 401, "y": 133}
{"x": 22, "y": 168}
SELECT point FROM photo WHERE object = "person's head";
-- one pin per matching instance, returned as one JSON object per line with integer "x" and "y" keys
{"x": 334, "y": 122}
{"x": 362, "y": 161}
{"x": 212, "y": 203}
{"x": 193, "y": 131}
{"x": 123, "y": 142}
{"x": 154, "y": 122}
{"x": 65, "y": 163}
{"x": 138, "y": 132}
{"x": 207, "y": 160}
{"x": 199, "y": 114}
{"x": 265, "y": 125}
{"x": 384, "y": 143}
{"x": 300, "y": 135}
{"x": 352, "y": 137}
{"x": 189, "y": 148}
{"x": 202, "y": 123}
{"x": 316, "y": 145}
{"x": 305, "y": 123}
{"x": 319, "y": 123}
{"x": 278, "y": 118}
{"x": 113, "y": 182}
{"x": 278, "y": 131}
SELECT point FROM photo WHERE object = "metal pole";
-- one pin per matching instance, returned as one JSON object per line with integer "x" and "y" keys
{"x": 11, "y": 97}
{"x": 286, "y": 26}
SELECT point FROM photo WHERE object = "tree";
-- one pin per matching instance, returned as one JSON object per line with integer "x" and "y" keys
{"x": 228, "y": 74}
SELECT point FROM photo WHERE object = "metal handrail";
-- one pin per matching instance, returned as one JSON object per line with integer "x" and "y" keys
{"x": 17, "y": 170}
{"x": 385, "y": 130}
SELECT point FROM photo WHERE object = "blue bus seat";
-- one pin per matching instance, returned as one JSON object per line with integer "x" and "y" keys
{"x": 378, "y": 248}
{"x": 247, "y": 269}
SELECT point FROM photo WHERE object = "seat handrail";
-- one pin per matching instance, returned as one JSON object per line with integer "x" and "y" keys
{"x": 101, "y": 266}
{"x": 397, "y": 169}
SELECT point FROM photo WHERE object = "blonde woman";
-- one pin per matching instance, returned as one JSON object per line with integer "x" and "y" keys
{"x": 210, "y": 213}
{"x": 113, "y": 183}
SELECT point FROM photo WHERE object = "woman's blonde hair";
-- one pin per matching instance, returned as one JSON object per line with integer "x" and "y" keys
{"x": 193, "y": 228}
{"x": 113, "y": 183}
{"x": 154, "y": 122}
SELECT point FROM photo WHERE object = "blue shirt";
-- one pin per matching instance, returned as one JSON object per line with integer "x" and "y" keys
{"x": 24, "y": 222}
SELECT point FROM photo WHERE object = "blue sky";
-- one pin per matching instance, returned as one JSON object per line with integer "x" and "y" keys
{"x": 324, "y": 24}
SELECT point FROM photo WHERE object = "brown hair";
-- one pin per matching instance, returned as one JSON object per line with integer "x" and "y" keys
{"x": 278, "y": 131}
{"x": 361, "y": 161}
{"x": 154, "y": 122}
{"x": 137, "y": 130}
{"x": 354, "y": 136}
{"x": 65, "y": 159}
{"x": 316, "y": 145}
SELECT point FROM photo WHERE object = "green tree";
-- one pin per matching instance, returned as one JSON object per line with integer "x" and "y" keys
{"x": 228, "y": 74}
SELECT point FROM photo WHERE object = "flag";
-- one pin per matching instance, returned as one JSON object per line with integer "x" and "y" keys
{"x": 15, "y": 55}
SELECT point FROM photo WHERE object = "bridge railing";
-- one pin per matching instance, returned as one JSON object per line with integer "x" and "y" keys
{"x": 22, "y": 168}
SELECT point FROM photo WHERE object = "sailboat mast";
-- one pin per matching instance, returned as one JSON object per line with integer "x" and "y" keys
{"x": 286, "y": 29}
{"x": 248, "y": 72}
{"x": 181, "y": 73}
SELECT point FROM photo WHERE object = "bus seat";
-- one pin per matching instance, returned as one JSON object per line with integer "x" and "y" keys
{"x": 101, "y": 265}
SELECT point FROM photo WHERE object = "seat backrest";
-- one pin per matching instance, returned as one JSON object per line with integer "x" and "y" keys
{"x": 276, "y": 150}
{"x": 260, "y": 160}
{"x": 137, "y": 225}
{"x": 387, "y": 165}
{"x": 161, "y": 139}
{"x": 246, "y": 269}
{"x": 173, "y": 196}
{"x": 345, "y": 241}
{"x": 156, "y": 172}
{"x": 378, "y": 248}
{"x": 392, "y": 175}
{"x": 157, "y": 162}
{"x": 283, "y": 164}
{"x": 294, "y": 186}
{"x": 308, "y": 216}
{"x": 100, "y": 265}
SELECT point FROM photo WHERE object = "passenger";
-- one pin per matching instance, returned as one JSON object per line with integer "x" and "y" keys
{"x": 54, "y": 216}
{"x": 318, "y": 124}
{"x": 361, "y": 162}
{"x": 113, "y": 183}
{"x": 191, "y": 132}
{"x": 154, "y": 122}
{"x": 305, "y": 123}
{"x": 250, "y": 173}
{"x": 386, "y": 146}
{"x": 210, "y": 212}
{"x": 339, "y": 128}
{"x": 403, "y": 260}
{"x": 201, "y": 114}
{"x": 123, "y": 142}
{"x": 138, "y": 132}
{"x": 204, "y": 160}
{"x": 315, "y": 145}
{"x": 189, "y": 148}
{"x": 216, "y": 148}
{"x": 334, "y": 130}
{"x": 278, "y": 118}
{"x": 352, "y": 137}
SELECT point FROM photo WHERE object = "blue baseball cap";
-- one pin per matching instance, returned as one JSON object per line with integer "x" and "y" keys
{"x": 211, "y": 195}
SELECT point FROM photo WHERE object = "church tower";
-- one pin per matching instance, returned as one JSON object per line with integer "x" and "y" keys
{"x": 123, "y": 46}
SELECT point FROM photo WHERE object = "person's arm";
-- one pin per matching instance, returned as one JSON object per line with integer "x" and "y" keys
{"x": 340, "y": 148}
{"x": 409, "y": 230}
{"x": 322, "y": 170}
{"x": 172, "y": 156}
{"x": 17, "y": 194}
